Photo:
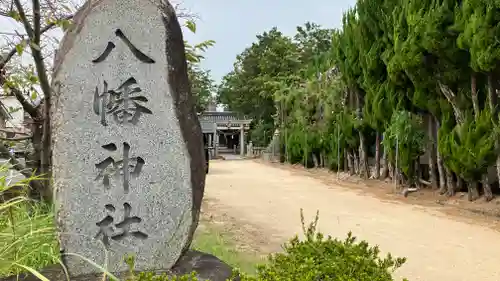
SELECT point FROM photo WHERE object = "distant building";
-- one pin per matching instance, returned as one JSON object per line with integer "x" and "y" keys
{"x": 12, "y": 125}
{"x": 224, "y": 129}
{"x": 13, "y": 113}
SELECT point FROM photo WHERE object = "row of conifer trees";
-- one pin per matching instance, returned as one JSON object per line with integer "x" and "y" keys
{"x": 399, "y": 80}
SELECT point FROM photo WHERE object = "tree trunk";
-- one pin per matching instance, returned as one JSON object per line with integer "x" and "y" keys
{"x": 34, "y": 160}
{"x": 356, "y": 163}
{"x": 315, "y": 160}
{"x": 442, "y": 173}
{"x": 391, "y": 170}
{"x": 440, "y": 164}
{"x": 488, "y": 194}
{"x": 385, "y": 167}
{"x": 432, "y": 147}
{"x": 475, "y": 101}
{"x": 472, "y": 191}
{"x": 46, "y": 156}
{"x": 377, "y": 156}
{"x": 492, "y": 100}
{"x": 418, "y": 173}
{"x": 346, "y": 160}
{"x": 350, "y": 163}
{"x": 363, "y": 157}
{"x": 461, "y": 184}
{"x": 398, "y": 176}
{"x": 306, "y": 153}
{"x": 450, "y": 183}
{"x": 452, "y": 99}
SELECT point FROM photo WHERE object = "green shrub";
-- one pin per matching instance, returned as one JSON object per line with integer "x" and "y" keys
{"x": 319, "y": 258}
{"x": 27, "y": 232}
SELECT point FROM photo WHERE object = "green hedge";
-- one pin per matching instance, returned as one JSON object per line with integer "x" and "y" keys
{"x": 317, "y": 258}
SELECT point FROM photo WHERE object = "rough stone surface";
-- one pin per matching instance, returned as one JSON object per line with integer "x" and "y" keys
{"x": 207, "y": 267}
{"x": 165, "y": 196}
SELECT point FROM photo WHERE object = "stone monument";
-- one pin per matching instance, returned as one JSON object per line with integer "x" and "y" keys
{"x": 127, "y": 155}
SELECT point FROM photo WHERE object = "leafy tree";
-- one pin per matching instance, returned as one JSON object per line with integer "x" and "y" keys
{"x": 392, "y": 65}
{"x": 348, "y": 59}
{"x": 477, "y": 22}
{"x": 381, "y": 98}
{"x": 202, "y": 86}
{"x": 257, "y": 75}
{"x": 405, "y": 136}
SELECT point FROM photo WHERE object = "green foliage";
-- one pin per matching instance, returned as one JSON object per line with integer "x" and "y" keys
{"x": 395, "y": 62}
{"x": 27, "y": 233}
{"x": 260, "y": 72}
{"x": 469, "y": 148}
{"x": 324, "y": 258}
{"x": 261, "y": 133}
{"x": 22, "y": 78}
{"x": 194, "y": 53}
{"x": 405, "y": 132}
{"x": 202, "y": 86}
{"x": 477, "y": 24}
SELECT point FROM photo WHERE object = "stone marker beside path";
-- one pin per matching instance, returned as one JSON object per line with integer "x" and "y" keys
{"x": 128, "y": 166}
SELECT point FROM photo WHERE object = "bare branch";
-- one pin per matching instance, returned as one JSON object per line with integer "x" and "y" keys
{"x": 36, "y": 22}
{"x": 27, "y": 106}
{"x": 13, "y": 51}
{"x": 36, "y": 51}
{"x": 24, "y": 19}
{"x": 450, "y": 96}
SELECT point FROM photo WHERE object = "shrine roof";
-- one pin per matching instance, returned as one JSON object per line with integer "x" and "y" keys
{"x": 223, "y": 117}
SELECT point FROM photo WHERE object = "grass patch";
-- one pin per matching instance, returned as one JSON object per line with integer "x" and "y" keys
{"x": 27, "y": 238}
{"x": 209, "y": 239}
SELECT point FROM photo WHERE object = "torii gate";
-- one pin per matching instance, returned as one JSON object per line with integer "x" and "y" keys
{"x": 213, "y": 123}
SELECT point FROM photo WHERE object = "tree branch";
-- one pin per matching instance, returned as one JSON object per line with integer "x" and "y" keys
{"x": 450, "y": 96}
{"x": 13, "y": 51}
{"x": 36, "y": 22}
{"x": 24, "y": 18}
{"x": 27, "y": 106}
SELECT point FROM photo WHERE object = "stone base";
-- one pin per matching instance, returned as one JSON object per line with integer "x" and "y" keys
{"x": 207, "y": 267}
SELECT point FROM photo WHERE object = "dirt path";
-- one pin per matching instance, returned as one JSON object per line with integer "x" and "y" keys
{"x": 268, "y": 200}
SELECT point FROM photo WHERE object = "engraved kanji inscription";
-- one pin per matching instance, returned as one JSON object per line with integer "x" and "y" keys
{"x": 126, "y": 224}
{"x": 127, "y": 167}
{"x": 137, "y": 53}
{"x": 121, "y": 103}
{"x": 107, "y": 230}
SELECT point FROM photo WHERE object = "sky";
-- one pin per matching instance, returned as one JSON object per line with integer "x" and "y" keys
{"x": 234, "y": 24}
